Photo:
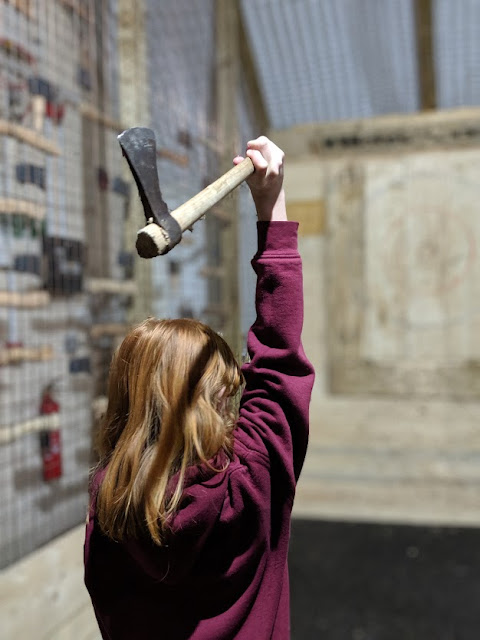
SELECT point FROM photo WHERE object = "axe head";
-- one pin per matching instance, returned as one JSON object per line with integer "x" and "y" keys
{"x": 139, "y": 148}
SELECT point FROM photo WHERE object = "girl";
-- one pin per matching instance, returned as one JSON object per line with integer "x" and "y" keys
{"x": 189, "y": 521}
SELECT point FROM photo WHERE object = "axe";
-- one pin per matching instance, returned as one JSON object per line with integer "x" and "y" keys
{"x": 164, "y": 229}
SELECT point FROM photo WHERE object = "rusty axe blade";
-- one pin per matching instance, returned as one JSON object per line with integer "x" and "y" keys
{"x": 139, "y": 148}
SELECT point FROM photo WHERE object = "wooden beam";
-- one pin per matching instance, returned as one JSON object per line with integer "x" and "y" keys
{"x": 425, "y": 54}
{"x": 108, "y": 286}
{"x": 22, "y": 354}
{"x": 181, "y": 159}
{"x": 227, "y": 82}
{"x": 22, "y": 207}
{"x": 96, "y": 115}
{"x": 24, "y": 134}
{"x": 452, "y": 128}
{"x": 134, "y": 95}
{"x": 108, "y": 329}
{"x": 12, "y": 432}
{"x": 24, "y": 299}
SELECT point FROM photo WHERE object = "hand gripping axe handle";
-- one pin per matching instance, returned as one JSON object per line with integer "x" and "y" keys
{"x": 164, "y": 229}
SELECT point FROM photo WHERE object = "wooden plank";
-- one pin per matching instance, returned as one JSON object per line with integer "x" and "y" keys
{"x": 50, "y": 580}
{"x": 108, "y": 286}
{"x": 181, "y": 159}
{"x": 24, "y": 299}
{"x": 23, "y": 207}
{"x": 392, "y": 460}
{"x": 392, "y": 424}
{"x": 369, "y": 464}
{"x": 12, "y": 432}
{"x": 456, "y": 128}
{"x": 357, "y": 377}
{"x": 425, "y": 53}
{"x": 134, "y": 100}
{"x": 447, "y": 504}
{"x": 28, "y": 136}
{"x": 22, "y": 354}
{"x": 403, "y": 277}
{"x": 92, "y": 113}
{"x": 108, "y": 329}
{"x": 227, "y": 70}
{"x": 345, "y": 262}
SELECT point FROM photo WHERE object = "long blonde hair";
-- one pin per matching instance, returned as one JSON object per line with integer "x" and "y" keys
{"x": 170, "y": 393}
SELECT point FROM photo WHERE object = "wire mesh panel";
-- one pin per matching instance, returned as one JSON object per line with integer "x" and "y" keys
{"x": 63, "y": 266}
{"x": 74, "y": 74}
{"x": 183, "y": 84}
{"x": 180, "y": 82}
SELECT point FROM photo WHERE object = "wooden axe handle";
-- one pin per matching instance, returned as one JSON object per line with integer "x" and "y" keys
{"x": 194, "y": 208}
{"x": 189, "y": 212}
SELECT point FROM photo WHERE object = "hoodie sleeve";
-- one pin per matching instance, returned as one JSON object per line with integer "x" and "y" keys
{"x": 273, "y": 417}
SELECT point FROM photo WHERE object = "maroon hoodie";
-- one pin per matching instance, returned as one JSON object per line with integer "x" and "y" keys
{"x": 224, "y": 574}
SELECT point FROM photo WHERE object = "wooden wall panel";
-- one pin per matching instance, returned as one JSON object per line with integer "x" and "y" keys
{"x": 404, "y": 275}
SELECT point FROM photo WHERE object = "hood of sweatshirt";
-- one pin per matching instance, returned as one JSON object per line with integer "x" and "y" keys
{"x": 199, "y": 513}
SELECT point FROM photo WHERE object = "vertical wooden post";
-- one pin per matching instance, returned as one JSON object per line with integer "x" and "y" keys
{"x": 134, "y": 110}
{"x": 227, "y": 96}
{"x": 100, "y": 30}
{"x": 425, "y": 54}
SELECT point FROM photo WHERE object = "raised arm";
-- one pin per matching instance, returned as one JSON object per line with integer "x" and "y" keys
{"x": 266, "y": 183}
{"x": 273, "y": 419}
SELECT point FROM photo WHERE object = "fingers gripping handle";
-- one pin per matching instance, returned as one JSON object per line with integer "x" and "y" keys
{"x": 153, "y": 240}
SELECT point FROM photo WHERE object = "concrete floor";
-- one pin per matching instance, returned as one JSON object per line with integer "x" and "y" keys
{"x": 384, "y": 582}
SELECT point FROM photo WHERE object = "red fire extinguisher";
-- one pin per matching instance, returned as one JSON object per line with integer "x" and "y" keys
{"x": 50, "y": 442}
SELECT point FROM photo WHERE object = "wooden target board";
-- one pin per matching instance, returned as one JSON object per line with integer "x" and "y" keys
{"x": 403, "y": 273}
